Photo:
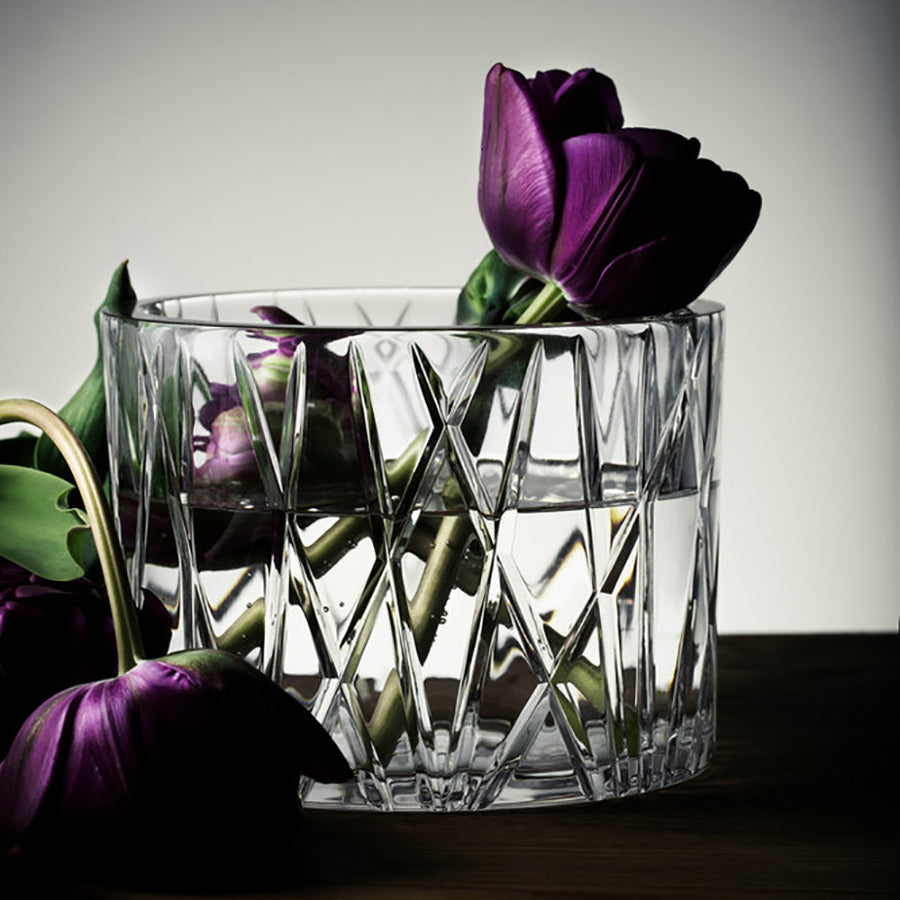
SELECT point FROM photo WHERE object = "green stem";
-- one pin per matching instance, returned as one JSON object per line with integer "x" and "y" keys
{"x": 579, "y": 672}
{"x": 324, "y": 552}
{"x": 390, "y": 719}
{"x": 545, "y": 306}
{"x": 247, "y": 632}
{"x": 438, "y": 579}
{"x": 109, "y": 551}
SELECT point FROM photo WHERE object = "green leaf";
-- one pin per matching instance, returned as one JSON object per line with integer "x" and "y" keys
{"x": 491, "y": 292}
{"x": 37, "y": 530}
{"x": 85, "y": 412}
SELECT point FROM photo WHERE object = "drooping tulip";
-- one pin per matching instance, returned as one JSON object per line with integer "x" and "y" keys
{"x": 198, "y": 738}
{"x": 624, "y": 221}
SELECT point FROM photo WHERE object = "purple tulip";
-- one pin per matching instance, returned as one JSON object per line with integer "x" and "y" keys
{"x": 271, "y": 369}
{"x": 624, "y": 221}
{"x": 230, "y": 461}
{"x": 57, "y": 634}
{"x": 229, "y": 447}
{"x": 197, "y": 750}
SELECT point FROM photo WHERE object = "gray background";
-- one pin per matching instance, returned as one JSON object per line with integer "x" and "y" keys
{"x": 232, "y": 145}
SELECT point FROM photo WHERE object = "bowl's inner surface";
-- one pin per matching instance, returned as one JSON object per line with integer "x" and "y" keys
{"x": 323, "y": 307}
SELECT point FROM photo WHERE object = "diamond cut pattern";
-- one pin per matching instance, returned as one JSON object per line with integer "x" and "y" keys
{"x": 487, "y": 560}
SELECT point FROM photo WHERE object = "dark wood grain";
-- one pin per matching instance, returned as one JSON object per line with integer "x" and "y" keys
{"x": 801, "y": 801}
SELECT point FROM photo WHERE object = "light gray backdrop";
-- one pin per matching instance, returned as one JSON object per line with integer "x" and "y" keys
{"x": 225, "y": 145}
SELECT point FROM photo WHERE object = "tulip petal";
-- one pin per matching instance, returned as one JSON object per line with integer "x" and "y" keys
{"x": 657, "y": 143}
{"x": 569, "y": 105}
{"x": 659, "y": 199}
{"x": 600, "y": 170}
{"x": 107, "y": 764}
{"x": 544, "y": 86}
{"x": 54, "y": 635}
{"x": 723, "y": 218}
{"x": 674, "y": 270}
{"x": 518, "y": 177}
{"x": 28, "y": 773}
{"x": 680, "y": 223}
{"x": 653, "y": 205}
{"x": 586, "y": 102}
{"x": 648, "y": 279}
{"x": 659, "y": 277}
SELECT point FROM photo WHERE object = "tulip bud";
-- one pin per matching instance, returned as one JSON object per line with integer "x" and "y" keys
{"x": 270, "y": 372}
{"x": 229, "y": 451}
{"x": 624, "y": 221}
{"x": 229, "y": 447}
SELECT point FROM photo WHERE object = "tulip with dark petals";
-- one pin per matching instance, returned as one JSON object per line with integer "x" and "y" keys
{"x": 624, "y": 221}
{"x": 56, "y": 634}
{"x": 196, "y": 750}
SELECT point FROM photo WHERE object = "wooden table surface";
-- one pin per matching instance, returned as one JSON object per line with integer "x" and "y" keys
{"x": 801, "y": 801}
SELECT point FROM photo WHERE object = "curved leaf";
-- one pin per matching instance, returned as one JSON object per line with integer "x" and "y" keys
{"x": 85, "y": 412}
{"x": 37, "y": 530}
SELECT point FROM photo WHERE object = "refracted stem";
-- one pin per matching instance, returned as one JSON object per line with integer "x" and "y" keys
{"x": 388, "y": 721}
{"x": 248, "y": 630}
{"x": 580, "y": 672}
{"x": 109, "y": 550}
{"x": 324, "y": 552}
{"x": 388, "y": 718}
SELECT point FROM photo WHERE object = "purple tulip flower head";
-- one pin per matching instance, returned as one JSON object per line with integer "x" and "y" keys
{"x": 228, "y": 459}
{"x": 198, "y": 738}
{"x": 229, "y": 453}
{"x": 624, "y": 221}
{"x": 229, "y": 448}
{"x": 55, "y": 634}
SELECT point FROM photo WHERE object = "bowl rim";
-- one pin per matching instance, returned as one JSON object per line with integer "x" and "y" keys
{"x": 150, "y": 311}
